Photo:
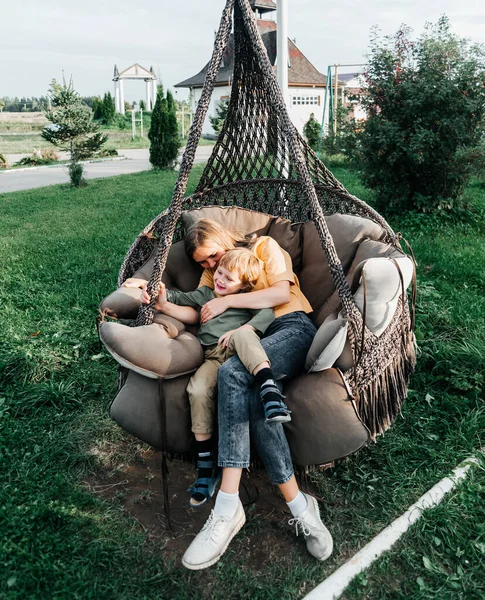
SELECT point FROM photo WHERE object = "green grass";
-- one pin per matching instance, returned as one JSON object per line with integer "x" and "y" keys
{"x": 60, "y": 251}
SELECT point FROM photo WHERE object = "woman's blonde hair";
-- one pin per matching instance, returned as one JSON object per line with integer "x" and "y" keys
{"x": 245, "y": 264}
{"x": 207, "y": 231}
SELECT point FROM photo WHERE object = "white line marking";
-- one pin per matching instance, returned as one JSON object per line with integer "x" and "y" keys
{"x": 334, "y": 586}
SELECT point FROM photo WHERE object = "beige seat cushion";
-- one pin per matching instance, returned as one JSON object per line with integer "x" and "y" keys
{"x": 137, "y": 408}
{"x": 324, "y": 423}
{"x": 162, "y": 349}
{"x": 347, "y": 231}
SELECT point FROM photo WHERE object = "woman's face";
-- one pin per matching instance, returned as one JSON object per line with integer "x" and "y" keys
{"x": 208, "y": 256}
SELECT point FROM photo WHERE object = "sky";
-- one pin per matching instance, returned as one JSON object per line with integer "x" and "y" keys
{"x": 41, "y": 39}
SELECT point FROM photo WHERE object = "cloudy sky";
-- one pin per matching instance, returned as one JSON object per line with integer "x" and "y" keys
{"x": 39, "y": 39}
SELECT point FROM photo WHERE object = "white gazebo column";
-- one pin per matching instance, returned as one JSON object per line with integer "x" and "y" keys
{"x": 117, "y": 96}
{"x": 154, "y": 92}
{"x": 148, "y": 94}
{"x": 122, "y": 98}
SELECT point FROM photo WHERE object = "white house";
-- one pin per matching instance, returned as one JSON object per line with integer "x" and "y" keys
{"x": 306, "y": 84}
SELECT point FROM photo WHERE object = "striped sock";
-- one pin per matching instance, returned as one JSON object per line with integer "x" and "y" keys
{"x": 270, "y": 395}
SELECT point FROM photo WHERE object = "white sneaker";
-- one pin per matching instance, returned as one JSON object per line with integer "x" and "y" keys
{"x": 318, "y": 539}
{"x": 213, "y": 539}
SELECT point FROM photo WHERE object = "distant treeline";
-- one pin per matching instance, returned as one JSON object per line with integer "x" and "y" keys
{"x": 31, "y": 104}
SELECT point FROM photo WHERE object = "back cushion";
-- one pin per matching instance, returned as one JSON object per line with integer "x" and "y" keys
{"x": 180, "y": 271}
{"x": 246, "y": 221}
{"x": 367, "y": 249}
{"x": 347, "y": 231}
{"x": 231, "y": 217}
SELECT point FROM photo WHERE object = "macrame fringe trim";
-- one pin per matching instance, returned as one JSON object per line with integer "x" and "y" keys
{"x": 381, "y": 400}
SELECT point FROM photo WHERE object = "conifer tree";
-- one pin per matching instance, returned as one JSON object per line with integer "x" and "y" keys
{"x": 221, "y": 112}
{"x": 108, "y": 109}
{"x": 72, "y": 127}
{"x": 163, "y": 133}
{"x": 173, "y": 137}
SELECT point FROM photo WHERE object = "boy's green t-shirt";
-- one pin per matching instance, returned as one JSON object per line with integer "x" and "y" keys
{"x": 210, "y": 332}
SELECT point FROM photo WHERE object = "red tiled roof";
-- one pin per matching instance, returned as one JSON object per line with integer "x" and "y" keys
{"x": 268, "y": 4}
{"x": 300, "y": 72}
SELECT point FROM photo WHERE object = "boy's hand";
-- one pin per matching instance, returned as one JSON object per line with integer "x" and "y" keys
{"x": 226, "y": 337}
{"x": 162, "y": 296}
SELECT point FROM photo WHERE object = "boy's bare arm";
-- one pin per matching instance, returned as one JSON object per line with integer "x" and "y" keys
{"x": 186, "y": 314}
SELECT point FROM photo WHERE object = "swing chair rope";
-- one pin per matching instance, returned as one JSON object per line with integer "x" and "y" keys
{"x": 348, "y": 304}
{"x": 145, "y": 314}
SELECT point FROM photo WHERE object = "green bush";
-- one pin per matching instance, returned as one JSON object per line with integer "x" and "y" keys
{"x": 311, "y": 131}
{"x": 425, "y": 102}
{"x": 33, "y": 161}
{"x": 3, "y": 162}
{"x": 76, "y": 172}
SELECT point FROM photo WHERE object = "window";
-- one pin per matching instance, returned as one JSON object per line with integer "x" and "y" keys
{"x": 305, "y": 100}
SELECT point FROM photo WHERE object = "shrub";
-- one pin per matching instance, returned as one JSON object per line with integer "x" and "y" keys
{"x": 49, "y": 154}
{"x": 34, "y": 160}
{"x": 76, "y": 172}
{"x": 311, "y": 131}
{"x": 3, "y": 162}
{"x": 221, "y": 113}
{"x": 425, "y": 102}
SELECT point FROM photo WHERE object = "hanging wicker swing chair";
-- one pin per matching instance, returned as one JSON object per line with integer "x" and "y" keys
{"x": 263, "y": 177}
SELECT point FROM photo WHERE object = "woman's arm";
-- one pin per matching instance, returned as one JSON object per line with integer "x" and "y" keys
{"x": 277, "y": 294}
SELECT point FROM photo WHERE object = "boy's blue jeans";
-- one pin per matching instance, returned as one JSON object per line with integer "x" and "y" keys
{"x": 241, "y": 413}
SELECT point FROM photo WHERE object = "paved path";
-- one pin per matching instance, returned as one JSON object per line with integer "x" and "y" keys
{"x": 135, "y": 161}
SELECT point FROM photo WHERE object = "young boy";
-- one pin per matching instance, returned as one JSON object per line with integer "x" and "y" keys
{"x": 235, "y": 331}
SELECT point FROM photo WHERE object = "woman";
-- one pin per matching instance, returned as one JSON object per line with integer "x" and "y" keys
{"x": 240, "y": 411}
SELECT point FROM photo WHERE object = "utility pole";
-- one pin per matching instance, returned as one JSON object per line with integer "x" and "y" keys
{"x": 282, "y": 47}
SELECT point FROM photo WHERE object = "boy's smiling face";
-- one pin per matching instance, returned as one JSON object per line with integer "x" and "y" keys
{"x": 226, "y": 282}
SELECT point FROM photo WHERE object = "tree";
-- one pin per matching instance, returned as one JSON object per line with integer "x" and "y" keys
{"x": 108, "y": 110}
{"x": 2, "y": 105}
{"x": 221, "y": 113}
{"x": 72, "y": 127}
{"x": 142, "y": 105}
{"x": 173, "y": 137}
{"x": 97, "y": 108}
{"x": 311, "y": 131}
{"x": 425, "y": 102}
{"x": 163, "y": 132}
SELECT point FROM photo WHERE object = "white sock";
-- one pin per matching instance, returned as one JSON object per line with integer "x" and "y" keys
{"x": 226, "y": 504}
{"x": 298, "y": 504}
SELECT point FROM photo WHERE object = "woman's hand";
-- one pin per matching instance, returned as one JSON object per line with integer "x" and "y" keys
{"x": 134, "y": 282}
{"x": 213, "y": 308}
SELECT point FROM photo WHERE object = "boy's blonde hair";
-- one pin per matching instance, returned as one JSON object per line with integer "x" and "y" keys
{"x": 245, "y": 264}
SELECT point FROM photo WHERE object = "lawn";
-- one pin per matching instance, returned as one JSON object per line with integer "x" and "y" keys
{"x": 63, "y": 538}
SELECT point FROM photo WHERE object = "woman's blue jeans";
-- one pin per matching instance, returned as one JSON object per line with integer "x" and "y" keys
{"x": 241, "y": 412}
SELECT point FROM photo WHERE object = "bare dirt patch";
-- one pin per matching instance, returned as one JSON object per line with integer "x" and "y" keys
{"x": 137, "y": 486}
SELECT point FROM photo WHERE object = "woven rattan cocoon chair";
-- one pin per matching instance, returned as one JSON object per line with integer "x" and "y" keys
{"x": 260, "y": 162}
